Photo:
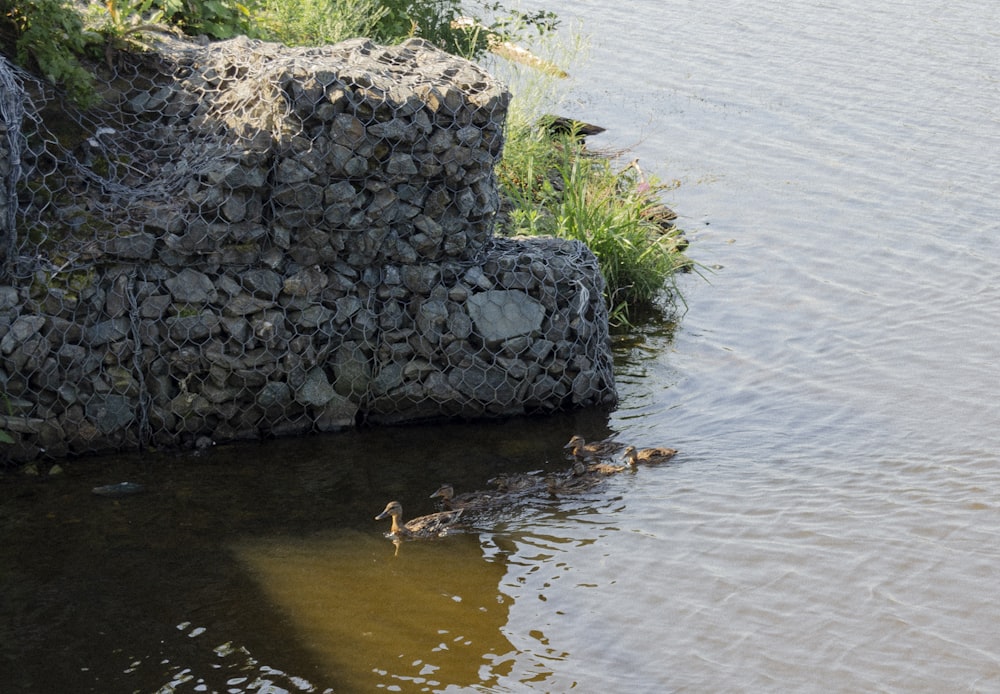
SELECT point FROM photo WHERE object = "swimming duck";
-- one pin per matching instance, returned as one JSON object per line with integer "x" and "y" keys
{"x": 572, "y": 481}
{"x": 647, "y": 456}
{"x": 469, "y": 500}
{"x": 563, "y": 125}
{"x": 518, "y": 484}
{"x": 597, "y": 468}
{"x": 579, "y": 448}
{"x": 431, "y": 525}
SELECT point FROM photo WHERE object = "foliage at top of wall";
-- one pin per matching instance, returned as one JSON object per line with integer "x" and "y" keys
{"x": 50, "y": 36}
{"x": 47, "y": 36}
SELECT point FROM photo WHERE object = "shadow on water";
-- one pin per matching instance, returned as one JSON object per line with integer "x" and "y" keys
{"x": 261, "y": 567}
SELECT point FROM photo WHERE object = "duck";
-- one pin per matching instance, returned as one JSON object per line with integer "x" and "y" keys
{"x": 518, "y": 484}
{"x": 648, "y": 456}
{"x": 598, "y": 468}
{"x": 432, "y": 525}
{"x": 580, "y": 449}
{"x": 469, "y": 500}
{"x": 576, "y": 479}
{"x": 563, "y": 125}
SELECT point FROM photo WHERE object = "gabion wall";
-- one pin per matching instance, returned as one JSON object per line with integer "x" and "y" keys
{"x": 252, "y": 240}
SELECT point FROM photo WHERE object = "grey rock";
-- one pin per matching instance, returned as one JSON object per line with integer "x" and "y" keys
{"x": 132, "y": 247}
{"x": 274, "y": 394}
{"x": 501, "y": 314}
{"x": 419, "y": 279}
{"x": 325, "y": 254}
{"x": 262, "y": 283}
{"x": 22, "y": 329}
{"x": 338, "y": 414}
{"x": 107, "y": 331}
{"x": 316, "y": 390}
{"x": 306, "y": 282}
{"x": 8, "y": 298}
{"x": 110, "y": 413}
{"x": 352, "y": 370}
{"x": 193, "y": 287}
{"x": 196, "y": 328}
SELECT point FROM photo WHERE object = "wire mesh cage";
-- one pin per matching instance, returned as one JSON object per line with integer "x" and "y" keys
{"x": 248, "y": 240}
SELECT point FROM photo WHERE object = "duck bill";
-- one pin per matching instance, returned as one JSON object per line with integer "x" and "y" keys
{"x": 384, "y": 514}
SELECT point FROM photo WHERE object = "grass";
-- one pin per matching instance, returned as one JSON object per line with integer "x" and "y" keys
{"x": 555, "y": 185}
{"x": 317, "y": 22}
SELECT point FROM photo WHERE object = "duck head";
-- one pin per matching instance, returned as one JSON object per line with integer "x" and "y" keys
{"x": 445, "y": 491}
{"x": 630, "y": 457}
{"x": 393, "y": 508}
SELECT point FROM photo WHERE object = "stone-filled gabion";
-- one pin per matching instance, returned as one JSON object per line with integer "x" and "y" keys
{"x": 257, "y": 240}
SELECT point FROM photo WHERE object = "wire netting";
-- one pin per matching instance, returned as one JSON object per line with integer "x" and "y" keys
{"x": 248, "y": 240}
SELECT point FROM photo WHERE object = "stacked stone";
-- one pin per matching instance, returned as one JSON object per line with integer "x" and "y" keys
{"x": 356, "y": 153}
{"x": 325, "y": 257}
{"x": 524, "y": 332}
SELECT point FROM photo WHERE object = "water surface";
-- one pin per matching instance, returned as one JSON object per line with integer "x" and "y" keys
{"x": 831, "y": 523}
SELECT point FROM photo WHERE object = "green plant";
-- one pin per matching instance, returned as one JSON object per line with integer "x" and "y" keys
{"x": 48, "y": 37}
{"x": 557, "y": 187}
{"x": 116, "y": 20}
{"x": 461, "y": 28}
{"x": 217, "y": 19}
{"x": 316, "y": 22}
{"x": 122, "y": 17}
{"x": 122, "y": 23}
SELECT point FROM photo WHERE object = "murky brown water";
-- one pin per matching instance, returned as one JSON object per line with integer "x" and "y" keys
{"x": 257, "y": 566}
{"x": 831, "y": 524}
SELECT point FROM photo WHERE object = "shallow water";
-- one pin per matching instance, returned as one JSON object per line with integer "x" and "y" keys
{"x": 831, "y": 523}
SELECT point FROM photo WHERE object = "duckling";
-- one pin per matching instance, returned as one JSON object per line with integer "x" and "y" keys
{"x": 518, "y": 484}
{"x": 648, "y": 456}
{"x": 579, "y": 448}
{"x": 469, "y": 500}
{"x": 576, "y": 479}
{"x": 431, "y": 525}
{"x": 607, "y": 468}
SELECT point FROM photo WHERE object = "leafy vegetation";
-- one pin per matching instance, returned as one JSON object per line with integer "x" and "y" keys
{"x": 217, "y": 19}
{"x": 556, "y": 184}
{"x": 50, "y": 36}
{"x": 558, "y": 187}
{"x": 318, "y": 22}
{"x": 47, "y": 36}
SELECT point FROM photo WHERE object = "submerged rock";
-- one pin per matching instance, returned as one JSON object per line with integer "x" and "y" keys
{"x": 118, "y": 490}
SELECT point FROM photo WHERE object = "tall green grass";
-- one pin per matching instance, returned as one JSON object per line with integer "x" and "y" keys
{"x": 556, "y": 186}
{"x": 317, "y": 22}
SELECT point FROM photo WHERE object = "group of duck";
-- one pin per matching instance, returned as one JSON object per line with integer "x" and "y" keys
{"x": 591, "y": 462}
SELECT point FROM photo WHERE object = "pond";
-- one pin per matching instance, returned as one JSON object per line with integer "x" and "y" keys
{"x": 830, "y": 523}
